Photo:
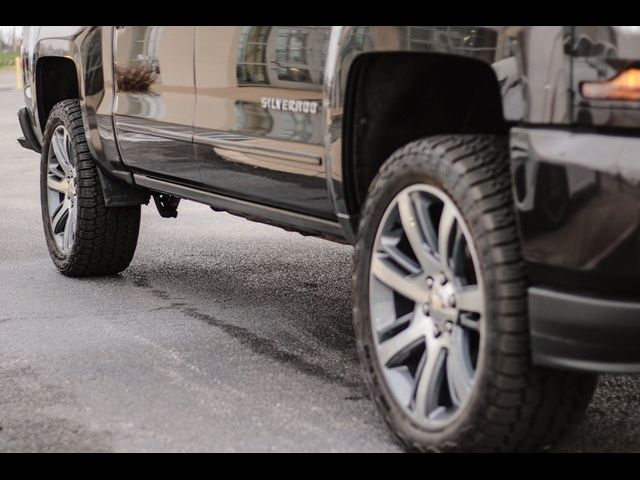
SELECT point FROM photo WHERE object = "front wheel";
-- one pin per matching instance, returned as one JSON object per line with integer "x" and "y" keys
{"x": 84, "y": 236}
{"x": 440, "y": 306}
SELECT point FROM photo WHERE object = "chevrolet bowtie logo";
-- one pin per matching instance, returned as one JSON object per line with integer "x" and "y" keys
{"x": 436, "y": 301}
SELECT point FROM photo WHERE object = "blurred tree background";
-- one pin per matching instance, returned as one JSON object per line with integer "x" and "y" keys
{"x": 10, "y": 37}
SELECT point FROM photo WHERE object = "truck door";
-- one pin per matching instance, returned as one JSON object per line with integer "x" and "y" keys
{"x": 258, "y": 126}
{"x": 155, "y": 99}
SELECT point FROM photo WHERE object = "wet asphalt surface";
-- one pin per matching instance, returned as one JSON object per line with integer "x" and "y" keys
{"x": 223, "y": 335}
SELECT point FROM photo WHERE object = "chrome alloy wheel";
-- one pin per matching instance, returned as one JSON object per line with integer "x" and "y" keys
{"x": 427, "y": 304}
{"x": 62, "y": 196}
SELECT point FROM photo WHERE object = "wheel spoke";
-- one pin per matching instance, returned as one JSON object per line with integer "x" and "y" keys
{"x": 57, "y": 144}
{"x": 387, "y": 329}
{"x": 61, "y": 151}
{"x": 445, "y": 229}
{"x": 469, "y": 323}
{"x": 55, "y": 171}
{"x": 61, "y": 185}
{"x": 411, "y": 287}
{"x": 69, "y": 229}
{"x": 458, "y": 259}
{"x": 392, "y": 348}
{"x": 415, "y": 234}
{"x": 470, "y": 299}
{"x": 67, "y": 145}
{"x": 426, "y": 223}
{"x": 459, "y": 378}
{"x": 389, "y": 244}
{"x": 429, "y": 380}
{"x": 59, "y": 217}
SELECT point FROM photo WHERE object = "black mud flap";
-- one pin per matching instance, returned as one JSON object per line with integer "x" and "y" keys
{"x": 29, "y": 141}
{"x": 118, "y": 193}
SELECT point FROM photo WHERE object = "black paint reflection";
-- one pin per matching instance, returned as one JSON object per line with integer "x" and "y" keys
{"x": 250, "y": 147}
{"x": 282, "y": 56}
{"x": 580, "y": 227}
{"x": 155, "y": 99}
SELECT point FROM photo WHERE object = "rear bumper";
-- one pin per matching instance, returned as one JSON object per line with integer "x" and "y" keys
{"x": 29, "y": 140}
{"x": 584, "y": 333}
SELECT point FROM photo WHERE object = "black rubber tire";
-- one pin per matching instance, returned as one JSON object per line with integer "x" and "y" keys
{"x": 105, "y": 237}
{"x": 514, "y": 406}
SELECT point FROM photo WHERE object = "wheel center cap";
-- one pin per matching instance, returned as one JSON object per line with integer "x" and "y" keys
{"x": 441, "y": 305}
{"x": 437, "y": 300}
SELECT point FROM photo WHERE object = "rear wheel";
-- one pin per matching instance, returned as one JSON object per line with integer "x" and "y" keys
{"x": 84, "y": 237}
{"x": 440, "y": 307}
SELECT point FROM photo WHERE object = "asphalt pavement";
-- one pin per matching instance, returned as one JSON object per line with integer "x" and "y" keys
{"x": 223, "y": 335}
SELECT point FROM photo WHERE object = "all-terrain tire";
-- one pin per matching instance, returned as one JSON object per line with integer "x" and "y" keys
{"x": 514, "y": 405}
{"x": 105, "y": 238}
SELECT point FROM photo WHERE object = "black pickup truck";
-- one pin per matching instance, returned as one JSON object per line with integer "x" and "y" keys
{"x": 488, "y": 178}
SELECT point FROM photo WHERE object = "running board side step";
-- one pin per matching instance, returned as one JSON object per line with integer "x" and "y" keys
{"x": 253, "y": 211}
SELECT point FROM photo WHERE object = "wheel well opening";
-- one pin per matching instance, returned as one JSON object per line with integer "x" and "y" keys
{"x": 56, "y": 80}
{"x": 395, "y": 98}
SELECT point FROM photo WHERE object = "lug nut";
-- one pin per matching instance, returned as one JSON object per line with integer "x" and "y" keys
{"x": 429, "y": 282}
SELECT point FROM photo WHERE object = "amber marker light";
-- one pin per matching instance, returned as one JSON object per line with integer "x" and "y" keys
{"x": 624, "y": 86}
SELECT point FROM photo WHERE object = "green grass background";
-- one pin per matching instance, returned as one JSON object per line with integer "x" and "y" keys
{"x": 8, "y": 59}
